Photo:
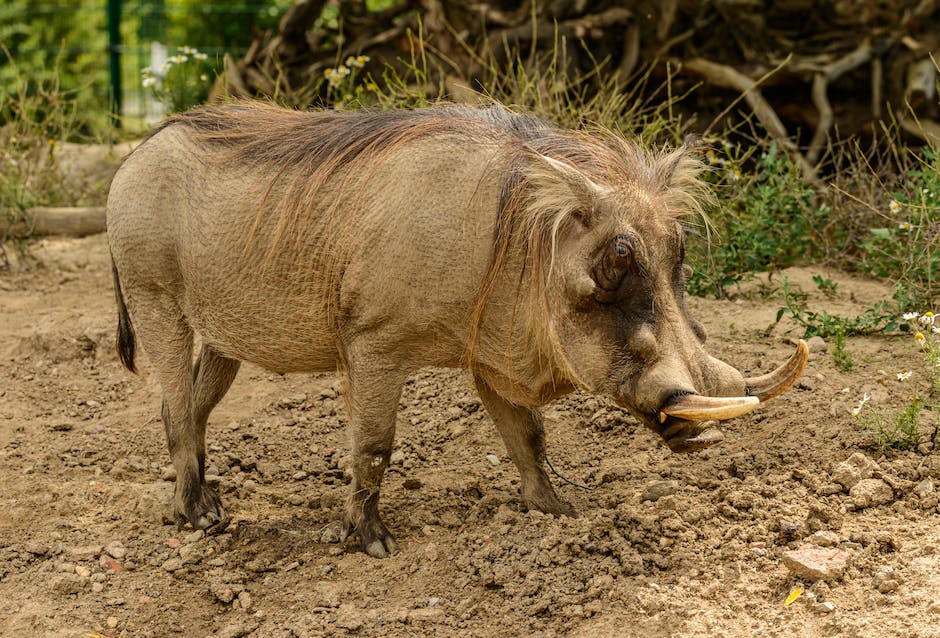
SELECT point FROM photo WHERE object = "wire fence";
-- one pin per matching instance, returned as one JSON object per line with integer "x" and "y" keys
{"x": 74, "y": 34}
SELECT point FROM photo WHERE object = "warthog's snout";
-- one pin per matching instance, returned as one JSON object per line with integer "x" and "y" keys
{"x": 686, "y": 419}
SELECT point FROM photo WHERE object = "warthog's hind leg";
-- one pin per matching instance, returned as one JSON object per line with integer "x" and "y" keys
{"x": 168, "y": 340}
{"x": 372, "y": 394}
{"x": 213, "y": 375}
{"x": 522, "y": 432}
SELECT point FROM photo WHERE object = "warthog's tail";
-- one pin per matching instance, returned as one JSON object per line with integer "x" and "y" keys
{"x": 126, "y": 341}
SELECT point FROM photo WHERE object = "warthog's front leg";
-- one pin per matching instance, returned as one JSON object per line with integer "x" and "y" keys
{"x": 522, "y": 432}
{"x": 372, "y": 394}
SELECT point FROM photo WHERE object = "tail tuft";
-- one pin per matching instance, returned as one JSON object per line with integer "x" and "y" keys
{"x": 126, "y": 340}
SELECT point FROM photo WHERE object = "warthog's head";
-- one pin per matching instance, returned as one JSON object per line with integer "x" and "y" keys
{"x": 615, "y": 293}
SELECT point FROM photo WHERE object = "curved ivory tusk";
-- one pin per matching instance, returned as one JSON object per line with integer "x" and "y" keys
{"x": 694, "y": 407}
{"x": 774, "y": 383}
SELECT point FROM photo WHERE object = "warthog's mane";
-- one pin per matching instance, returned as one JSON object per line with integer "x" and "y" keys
{"x": 305, "y": 148}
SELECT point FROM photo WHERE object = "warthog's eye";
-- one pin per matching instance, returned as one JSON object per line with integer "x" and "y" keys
{"x": 616, "y": 261}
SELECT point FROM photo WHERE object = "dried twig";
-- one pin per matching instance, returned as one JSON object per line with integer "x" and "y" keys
{"x": 727, "y": 77}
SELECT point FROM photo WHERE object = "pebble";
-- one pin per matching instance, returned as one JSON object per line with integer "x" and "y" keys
{"x": 97, "y": 587}
{"x": 493, "y": 459}
{"x": 65, "y": 584}
{"x": 813, "y": 562}
{"x": 82, "y": 571}
{"x": 86, "y": 552}
{"x": 235, "y": 630}
{"x": 825, "y": 607}
{"x": 111, "y": 622}
{"x": 886, "y": 580}
{"x": 172, "y": 564}
{"x": 115, "y": 549}
{"x": 168, "y": 473}
{"x": 871, "y": 492}
{"x": 817, "y": 344}
{"x": 431, "y": 552}
{"x": 349, "y": 618}
{"x": 190, "y": 554}
{"x": 925, "y": 488}
{"x": 194, "y": 537}
{"x": 824, "y": 538}
{"x": 853, "y": 469}
{"x": 412, "y": 484}
{"x": 658, "y": 489}
{"x": 327, "y": 593}
{"x": 244, "y": 600}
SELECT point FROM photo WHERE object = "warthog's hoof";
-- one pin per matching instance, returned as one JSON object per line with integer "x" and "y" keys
{"x": 374, "y": 538}
{"x": 203, "y": 510}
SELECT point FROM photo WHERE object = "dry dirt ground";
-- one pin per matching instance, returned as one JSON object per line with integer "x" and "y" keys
{"x": 666, "y": 545}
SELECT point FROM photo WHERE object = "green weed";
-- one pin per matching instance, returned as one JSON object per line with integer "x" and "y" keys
{"x": 767, "y": 220}
{"x": 917, "y": 424}
{"x": 882, "y": 317}
{"x": 841, "y": 357}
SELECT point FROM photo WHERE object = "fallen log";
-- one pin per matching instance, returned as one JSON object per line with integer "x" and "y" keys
{"x": 41, "y": 221}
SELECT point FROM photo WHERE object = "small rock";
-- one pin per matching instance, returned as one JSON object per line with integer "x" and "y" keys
{"x": 853, "y": 469}
{"x": 431, "y": 552}
{"x": 299, "y": 475}
{"x": 397, "y": 458}
{"x": 828, "y": 489}
{"x": 816, "y": 563}
{"x": 97, "y": 588}
{"x": 235, "y": 630}
{"x": 412, "y": 484}
{"x": 817, "y": 344}
{"x": 823, "y": 538}
{"x": 886, "y": 580}
{"x": 871, "y": 492}
{"x": 493, "y": 459}
{"x": 155, "y": 503}
{"x": 115, "y": 549}
{"x": 824, "y": 607}
{"x": 172, "y": 564}
{"x": 106, "y": 562}
{"x": 327, "y": 594}
{"x": 85, "y": 552}
{"x": 348, "y": 617}
{"x": 172, "y": 543}
{"x": 82, "y": 571}
{"x": 267, "y": 469}
{"x": 194, "y": 537}
{"x": 934, "y": 608}
{"x": 111, "y": 622}
{"x": 244, "y": 600}
{"x": 36, "y": 549}
{"x": 658, "y": 489}
{"x": 66, "y": 584}
{"x": 925, "y": 488}
{"x": 190, "y": 554}
{"x": 168, "y": 473}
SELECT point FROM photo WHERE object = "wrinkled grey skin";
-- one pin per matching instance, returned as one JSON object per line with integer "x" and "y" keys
{"x": 382, "y": 281}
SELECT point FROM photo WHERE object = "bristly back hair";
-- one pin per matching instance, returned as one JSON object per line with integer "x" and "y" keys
{"x": 304, "y": 149}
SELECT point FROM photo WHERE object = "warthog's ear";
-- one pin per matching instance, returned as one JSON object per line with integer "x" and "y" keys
{"x": 558, "y": 186}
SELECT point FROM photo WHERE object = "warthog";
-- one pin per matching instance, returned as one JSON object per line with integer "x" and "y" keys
{"x": 542, "y": 260}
